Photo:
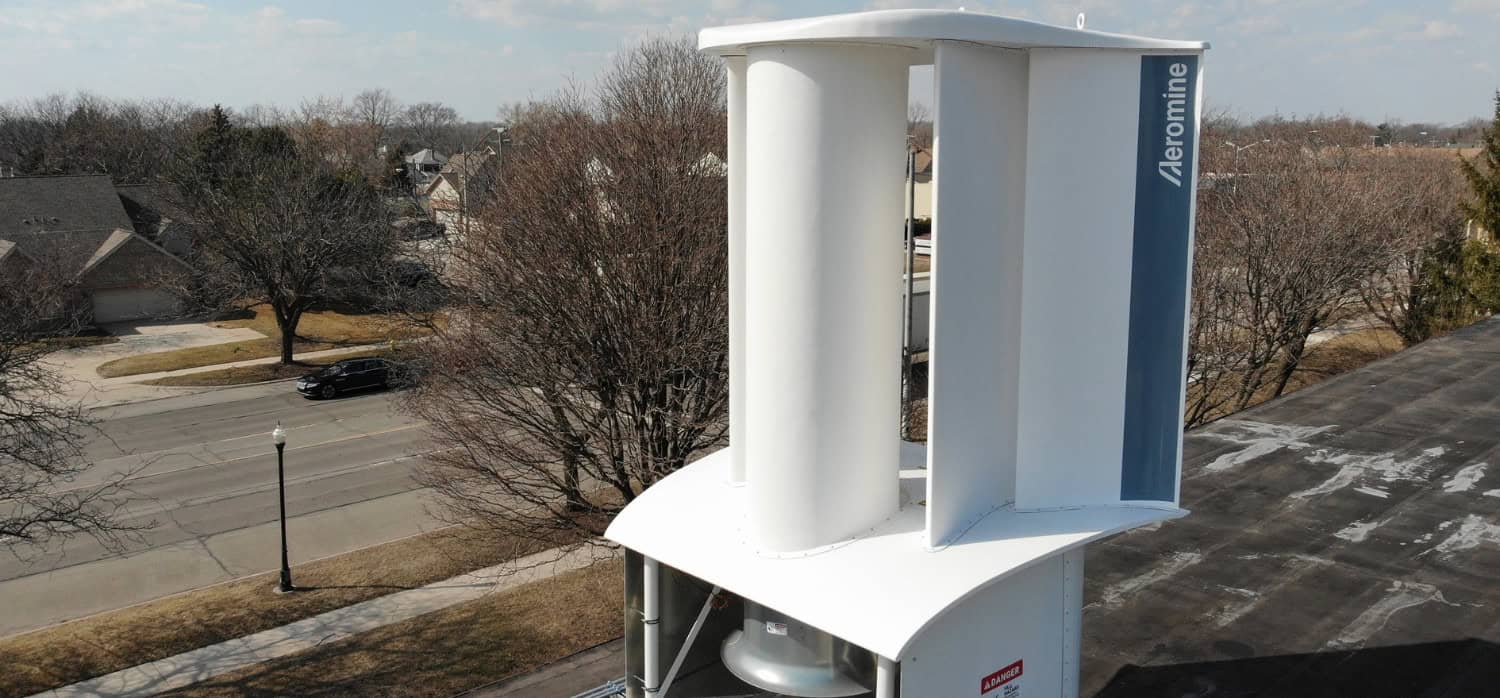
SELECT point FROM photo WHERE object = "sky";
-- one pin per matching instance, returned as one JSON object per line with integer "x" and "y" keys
{"x": 1409, "y": 60}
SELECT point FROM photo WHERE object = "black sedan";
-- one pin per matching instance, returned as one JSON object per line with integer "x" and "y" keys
{"x": 346, "y": 376}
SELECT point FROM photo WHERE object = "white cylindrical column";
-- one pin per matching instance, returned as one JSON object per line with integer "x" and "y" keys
{"x": 651, "y": 625}
{"x": 826, "y": 130}
{"x": 736, "y": 156}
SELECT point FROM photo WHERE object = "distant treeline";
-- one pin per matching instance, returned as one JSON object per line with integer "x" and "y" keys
{"x": 136, "y": 141}
{"x": 1345, "y": 131}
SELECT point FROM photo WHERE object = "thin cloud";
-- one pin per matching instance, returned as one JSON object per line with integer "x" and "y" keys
{"x": 1434, "y": 30}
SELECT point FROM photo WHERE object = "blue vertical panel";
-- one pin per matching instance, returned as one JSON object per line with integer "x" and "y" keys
{"x": 1159, "y": 276}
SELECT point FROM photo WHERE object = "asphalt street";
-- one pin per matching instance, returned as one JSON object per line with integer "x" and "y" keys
{"x": 203, "y": 470}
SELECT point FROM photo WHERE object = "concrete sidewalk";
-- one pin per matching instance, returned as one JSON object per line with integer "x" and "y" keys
{"x": 80, "y": 366}
{"x": 301, "y": 356}
{"x": 205, "y": 663}
{"x": 125, "y": 390}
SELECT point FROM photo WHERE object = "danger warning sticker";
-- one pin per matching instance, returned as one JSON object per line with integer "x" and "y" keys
{"x": 1004, "y": 676}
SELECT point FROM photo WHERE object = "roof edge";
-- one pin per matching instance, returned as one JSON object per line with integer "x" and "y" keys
{"x": 919, "y": 28}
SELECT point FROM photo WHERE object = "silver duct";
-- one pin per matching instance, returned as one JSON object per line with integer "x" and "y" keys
{"x": 779, "y": 654}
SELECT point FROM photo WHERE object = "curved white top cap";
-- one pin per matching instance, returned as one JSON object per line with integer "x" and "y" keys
{"x": 879, "y": 591}
{"x": 919, "y": 28}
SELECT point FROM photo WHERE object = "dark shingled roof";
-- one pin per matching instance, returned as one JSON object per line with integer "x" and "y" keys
{"x": 1344, "y": 541}
{"x": 66, "y": 249}
{"x": 75, "y": 222}
{"x": 81, "y": 202}
{"x": 147, "y": 205}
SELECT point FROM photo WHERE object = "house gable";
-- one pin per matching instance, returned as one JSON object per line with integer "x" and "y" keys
{"x": 126, "y": 259}
{"x": 13, "y": 262}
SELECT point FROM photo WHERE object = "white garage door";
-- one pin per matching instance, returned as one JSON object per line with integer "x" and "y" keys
{"x": 119, "y": 304}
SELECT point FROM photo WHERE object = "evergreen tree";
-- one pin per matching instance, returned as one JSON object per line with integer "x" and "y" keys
{"x": 1462, "y": 276}
{"x": 1483, "y": 173}
{"x": 213, "y": 145}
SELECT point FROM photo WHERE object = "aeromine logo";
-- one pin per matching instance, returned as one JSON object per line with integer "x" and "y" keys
{"x": 1176, "y": 105}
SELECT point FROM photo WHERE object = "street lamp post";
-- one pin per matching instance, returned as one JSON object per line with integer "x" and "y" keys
{"x": 278, "y": 436}
{"x": 1240, "y": 149}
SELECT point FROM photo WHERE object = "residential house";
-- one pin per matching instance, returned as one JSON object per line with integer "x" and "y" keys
{"x": 711, "y": 165}
{"x": 13, "y": 262}
{"x": 79, "y": 226}
{"x": 425, "y": 164}
{"x": 147, "y": 206}
{"x": 452, "y": 195}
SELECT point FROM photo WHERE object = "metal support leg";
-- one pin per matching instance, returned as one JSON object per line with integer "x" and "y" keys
{"x": 687, "y": 643}
{"x": 1072, "y": 620}
{"x": 885, "y": 679}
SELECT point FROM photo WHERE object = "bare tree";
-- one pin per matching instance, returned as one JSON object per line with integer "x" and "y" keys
{"x": 263, "y": 116}
{"x": 318, "y": 126}
{"x": 276, "y": 224}
{"x": 431, "y": 124}
{"x": 41, "y": 434}
{"x": 587, "y": 357}
{"x": 1419, "y": 194}
{"x": 347, "y": 134}
{"x": 919, "y": 125}
{"x": 1216, "y": 338}
{"x": 376, "y": 110}
{"x": 1290, "y": 235}
{"x": 87, "y": 134}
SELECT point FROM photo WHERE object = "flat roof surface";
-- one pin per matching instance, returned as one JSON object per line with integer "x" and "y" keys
{"x": 1344, "y": 541}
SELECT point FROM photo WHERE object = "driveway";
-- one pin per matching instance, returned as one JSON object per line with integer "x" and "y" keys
{"x": 80, "y": 367}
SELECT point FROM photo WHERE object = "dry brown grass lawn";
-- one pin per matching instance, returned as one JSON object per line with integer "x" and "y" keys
{"x": 444, "y": 653}
{"x": 259, "y": 373}
{"x": 1340, "y": 354}
{"x": 108, "y": 642}
{"x": 319, "y": 330}
{"x": 1344, "y": 353}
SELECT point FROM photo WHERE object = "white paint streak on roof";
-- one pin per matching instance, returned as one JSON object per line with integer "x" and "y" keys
{"x": 1465, "y": 479}
{"x": 1258, "y": 438}
{"x": 1357, "y": 468}
{"x": 1400, "y": 595}
{"x": 1472, "y": 532}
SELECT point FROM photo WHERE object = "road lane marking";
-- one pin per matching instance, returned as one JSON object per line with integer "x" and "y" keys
{"x": 250, "y": 457}
{"x": 254, "y": 435}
